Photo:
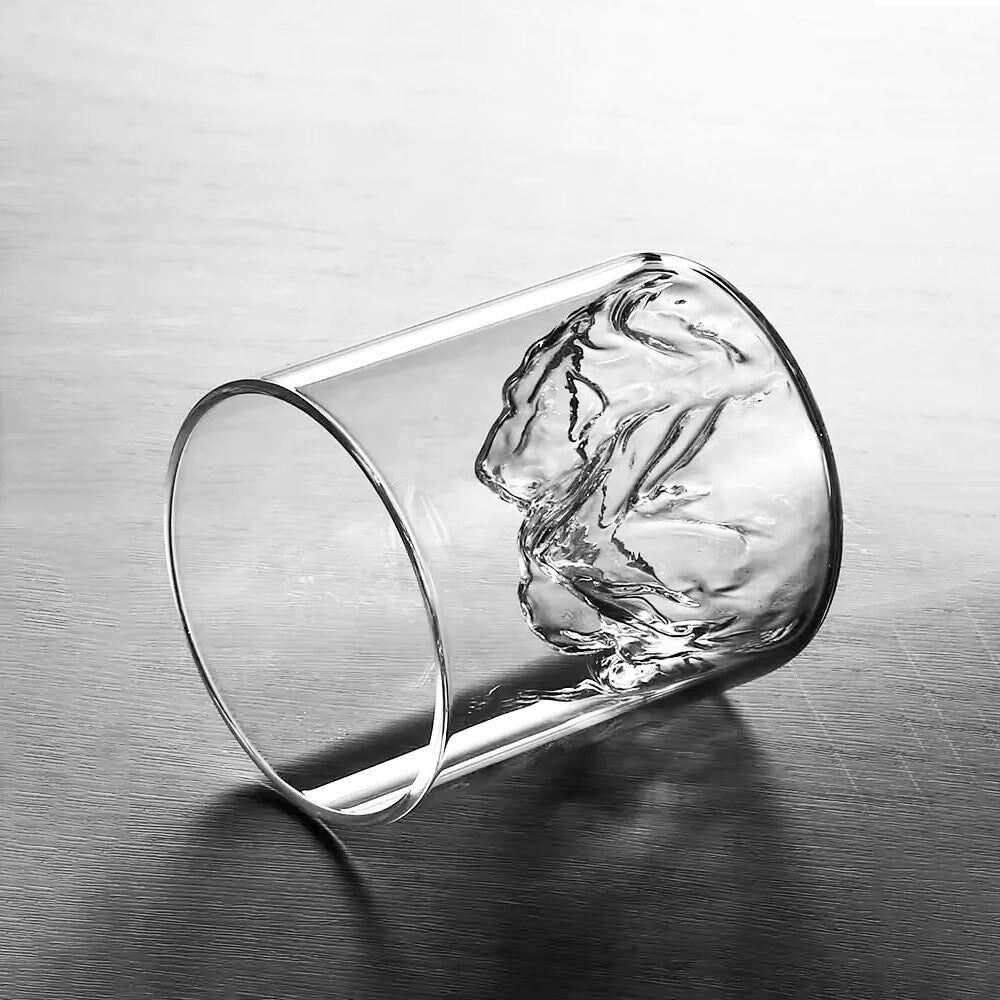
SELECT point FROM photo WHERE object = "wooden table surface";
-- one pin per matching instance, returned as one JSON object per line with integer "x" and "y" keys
{"x": 193, "y": 192}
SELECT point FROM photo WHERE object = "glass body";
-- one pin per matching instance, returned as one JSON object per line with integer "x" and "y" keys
{"x": 421, "y": 556}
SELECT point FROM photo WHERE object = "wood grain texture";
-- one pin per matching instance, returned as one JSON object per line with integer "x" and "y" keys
{"x": 196, "y": 192}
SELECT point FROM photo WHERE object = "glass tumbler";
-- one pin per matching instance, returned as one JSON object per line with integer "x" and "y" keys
{"x": 426, "y": 554}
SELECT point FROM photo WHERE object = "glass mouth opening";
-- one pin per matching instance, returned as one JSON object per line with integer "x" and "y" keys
{"x": 305, "y": 601}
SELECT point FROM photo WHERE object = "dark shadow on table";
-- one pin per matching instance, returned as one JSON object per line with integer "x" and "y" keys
{"x": 648, "y": 863}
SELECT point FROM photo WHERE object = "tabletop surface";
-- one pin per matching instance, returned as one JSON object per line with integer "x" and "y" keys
{"x": 192, "y": 193}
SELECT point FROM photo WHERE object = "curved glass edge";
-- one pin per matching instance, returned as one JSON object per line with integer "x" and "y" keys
{"x": 589, "y": 280}
{"x": 803, "y": 636}
{"x": 434, "y": 751}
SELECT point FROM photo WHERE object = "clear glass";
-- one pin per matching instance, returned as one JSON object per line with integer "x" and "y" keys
{"x": 421, "y": 556}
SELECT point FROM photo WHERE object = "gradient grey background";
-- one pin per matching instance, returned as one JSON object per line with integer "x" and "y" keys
{"x": 192, "y": 192}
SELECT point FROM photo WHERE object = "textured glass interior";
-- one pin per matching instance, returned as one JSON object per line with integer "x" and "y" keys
{"x": 672, "y": 487}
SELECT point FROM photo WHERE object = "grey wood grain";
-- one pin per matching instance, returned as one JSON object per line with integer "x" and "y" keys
{"x": 195, "y": 192}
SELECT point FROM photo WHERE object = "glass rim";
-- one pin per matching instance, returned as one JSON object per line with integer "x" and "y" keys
{"x": 433, "y": 753}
